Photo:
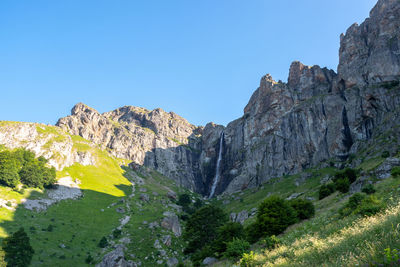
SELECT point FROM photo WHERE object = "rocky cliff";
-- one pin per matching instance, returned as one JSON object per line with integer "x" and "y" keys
{"x": 286, "y": 127}
{"x": 161, "y": 140}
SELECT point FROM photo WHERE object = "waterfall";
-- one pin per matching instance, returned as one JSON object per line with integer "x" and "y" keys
{"x": 217, "y": 170}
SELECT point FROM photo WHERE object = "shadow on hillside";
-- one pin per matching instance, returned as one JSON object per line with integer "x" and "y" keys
{"x": 67, "y": 231}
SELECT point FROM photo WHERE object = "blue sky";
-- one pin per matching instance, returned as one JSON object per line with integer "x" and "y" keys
{"x": 200, "y": 59}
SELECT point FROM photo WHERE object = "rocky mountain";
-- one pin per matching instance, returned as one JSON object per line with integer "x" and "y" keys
{"x": 164, "y": 141}
{"x": 286, "y": 127}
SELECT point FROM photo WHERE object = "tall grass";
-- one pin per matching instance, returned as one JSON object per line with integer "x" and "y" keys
{"x": 361, "y": 242}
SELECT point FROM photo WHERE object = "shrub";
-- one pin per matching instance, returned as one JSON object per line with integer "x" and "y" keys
{"x": 8, "y": 170}
{"x": 325, "y": 190}
{"x": 395, "y": 171}
{"x": 369, "y": 206}
{"x": 353, "y": 202}
{"x": 227, "y": 233}
{"x": 236, "y": 248}
{"x": 348, "y": 173}
{"x": 368, "y": 189}
{"x": 274, "y": 216}
{"x": 304, "y": 208}
{"x": 271, "y": 242}
{"x": 103, "y": 242}
{"x": 116, "y": 233}
{"x": 184, "y": 200}
{"x": 89, "y": 259}
{"x": 202, "y": 227}
{"x": 17, "y": 249}
{"x": 248, "y": 259}
{"x": 361, "y": 204}
{"x": 252, "y": 233}
{"x": 385, "y": 154}
{"x": 342, "y": 185}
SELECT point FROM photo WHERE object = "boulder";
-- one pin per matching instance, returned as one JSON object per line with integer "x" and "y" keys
{"x": 171, "y": 222}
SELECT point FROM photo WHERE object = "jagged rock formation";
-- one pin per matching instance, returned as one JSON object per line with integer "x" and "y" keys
{"x": 47, "y": 141}
{"x": 317, "y": 115}
{"x": 164, "y": 141}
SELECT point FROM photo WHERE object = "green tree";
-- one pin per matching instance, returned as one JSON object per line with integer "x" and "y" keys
{"x": 31, "y": 175}
{"x": 8, "y": 169}
{"x": 17, "y": 248}
{"x": 202, "y": 227}
{"x": 236, "y": 248}
{"x": 304, "y": 208}
{"x": 227, "y": 233}
{"x": 184, "y": 200}
{"x": 274, "y": 216}
{"x": 326, "y": 189}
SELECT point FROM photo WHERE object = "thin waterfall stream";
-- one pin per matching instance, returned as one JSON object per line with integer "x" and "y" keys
{"x": 217, "y": 170}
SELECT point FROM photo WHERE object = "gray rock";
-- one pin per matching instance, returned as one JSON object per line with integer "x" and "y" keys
{"x": 144, "y": 197}
{"x": 171, "y": 195}
{"x": 120, "y": 210}
{"x": 171, "y": 262}
{"x": 209, "y": 261}
{"x": 157, "y": 244}
{"x": 171, "y": 222}
{"x": 167, "y": 240}
{"x": 115, "y": 258}
{"x": 384, "y": 170}
{"x": 293, "y": 196}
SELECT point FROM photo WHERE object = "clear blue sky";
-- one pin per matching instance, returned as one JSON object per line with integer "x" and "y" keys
{"x": 200, "y": 59}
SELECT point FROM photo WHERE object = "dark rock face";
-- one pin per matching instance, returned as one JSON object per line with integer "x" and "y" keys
{"x": 370, "y": 52}
{"x": 286, "y": 127}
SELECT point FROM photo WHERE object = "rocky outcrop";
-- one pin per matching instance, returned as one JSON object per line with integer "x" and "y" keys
{"x": 370, "y": 52}
{"x": 317, "y": 114}
{"x": 161, "y": 140}
{"x": 116, "y": 258}
{"x": 286, "y": 127}
{"x": 47, "y": 141}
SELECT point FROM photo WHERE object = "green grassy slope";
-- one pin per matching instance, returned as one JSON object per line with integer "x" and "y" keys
{"x": 328, "y": 239}
{"x": 68, "y": 231}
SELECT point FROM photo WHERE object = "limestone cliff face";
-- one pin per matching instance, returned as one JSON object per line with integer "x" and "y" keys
{"x": 317, "y": 115}
{"x": 161, "y": 140}
{"x": 47, "y": 141}
{"x": 370, "y": 52}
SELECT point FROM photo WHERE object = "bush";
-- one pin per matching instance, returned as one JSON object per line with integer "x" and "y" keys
{"x": 248, "y": 259}
{"x": 227, "y": 233}
{"x": 348, "y": 173}
{"x": 22, "y": 166}
{"x": 304, "y": 208}
{"x": 361, "y": 204}
{"x": 236, "y": 248}
{"x": 117, "y": 233}
{"x": 89, "y": 259}
{"x": 368, "y": 189}
{"x": 17, "y": 249}
{"x": 342, "y": 185}
{"x": 8, "y": 170}
{"x": 252, "y": 232}
{"x": 270, "y": 242}
{"x": 274, "y": 216}
{"x": 325, "y": 190}
{"x": 369, "y": 206}
{"x": 184, "y": 200}
{"x": 202, "y": 227}
{"x": 385, "y": 154}
{"x": 103, "y": 242}
{"x": 395, "y": 171}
